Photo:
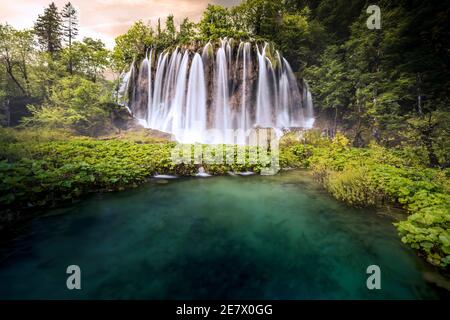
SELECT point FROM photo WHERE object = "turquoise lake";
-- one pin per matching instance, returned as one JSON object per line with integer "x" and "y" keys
{"x": 234, "y": 237}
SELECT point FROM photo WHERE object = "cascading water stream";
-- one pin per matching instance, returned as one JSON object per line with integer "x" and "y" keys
{"x": 263, "y": 97}
{"x": 216, "y": 94}
{"x": 296, "y": 113}
{"x": 157, "y": 107}
{"x": 168, "y": 91}
{"x": 150, "y": 98}
{"x": 195, "y": 116}
{"x": 309, "y": 113}
{"x": 243, "y": 116}
{"x": 222, "y": 109}
{"x": 177, "y": 113}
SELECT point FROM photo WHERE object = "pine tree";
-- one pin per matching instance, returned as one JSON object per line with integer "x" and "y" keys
{"x": 159, "y": 28}
{"x": 48, "y": 29}
{"x": 69, "y": 28}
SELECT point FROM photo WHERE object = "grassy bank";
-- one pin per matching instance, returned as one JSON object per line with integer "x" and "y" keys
{"x": 42, "y": 168}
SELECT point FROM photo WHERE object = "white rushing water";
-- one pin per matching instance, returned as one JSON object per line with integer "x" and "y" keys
{"x": 217, "y": 93}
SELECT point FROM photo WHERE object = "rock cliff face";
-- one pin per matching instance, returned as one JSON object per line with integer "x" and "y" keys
{"x": 227, "y": 85}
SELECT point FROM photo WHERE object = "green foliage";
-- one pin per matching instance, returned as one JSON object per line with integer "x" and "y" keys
{"x": 52, "y": 117}
{"x": 89, "y": 58}
{"x": 337, "y": 15}
{"x": 3, "y": 116}
{"x": 297, "y": 36}
{"x": 66, "y": 169}
{"x": 260, "y": 18}
{"x": 75, "y": 104}
{"x": 13, "y": 135}
{"x": 45, "y": 73}
{"x": 132, "y": 44}
{"x": 170, "y": 33}
{"x": 429, "y": 134}
{"x": 330, "y": 82}
{"x": 352, "y": 186}
{"x": 30, "y": 76}
{"x": 16, "y": 50}
{"x": 216, "y": 23}
{"x": 187, "y": 32}
{"x": 428, "y": 228}
{"x": 299, "y": 39}
{"x": 295, "y": 155}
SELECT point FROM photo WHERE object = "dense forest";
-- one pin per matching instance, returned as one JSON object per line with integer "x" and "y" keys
{"x": 380, "y": 97}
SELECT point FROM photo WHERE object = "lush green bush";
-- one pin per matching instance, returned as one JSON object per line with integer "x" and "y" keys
{"x": 428, "y": 228}
{"x": 352, "y": 186}
{"x": 295, "y": 156}
{"x": 75, "y": 104}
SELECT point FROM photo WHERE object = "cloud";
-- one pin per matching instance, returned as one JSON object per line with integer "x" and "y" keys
{"x": 106, "y": 19}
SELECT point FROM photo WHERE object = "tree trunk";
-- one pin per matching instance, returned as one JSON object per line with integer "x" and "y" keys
{"x": 419, "y": 95}
{"x": 428, "y": 143}
{"x": 432, "y": 158}
{"x": 426, "y": 136}
{"x": 25, "y": 74}
{"x": 335, "y": 122}
{"x": 11, "y": 74}
{"x": 70, "y": 53}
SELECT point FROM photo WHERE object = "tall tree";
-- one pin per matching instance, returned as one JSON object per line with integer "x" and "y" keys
{"x": 70, "y": 29}
{"x": 15, "y": 50}
{"x": 48, "y": 28}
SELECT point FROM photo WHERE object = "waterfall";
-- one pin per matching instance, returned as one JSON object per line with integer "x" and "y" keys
{"x": 195, "y": 115}
{"x": 309, "y": 114}
{"x": 284, "y": 103}
{"x": 125, "y": 87}
{"x": 157, "y": 108}
{"x": 294, "y": 105}
{"x": 150, "y": 98}
{"x": 177, "y": 115}
{"x": 222, "y": 108}
{"x": 140, "y": 107}
{"x": 169, "y": 89}
{"x": 244, "y": 114}
{"x": 264, "y": 103}
{"x": 216, "y": 93}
